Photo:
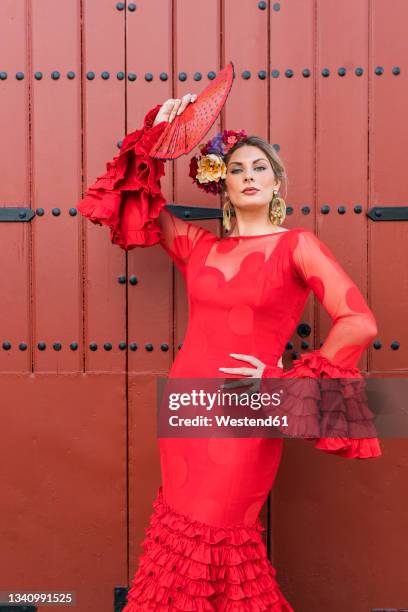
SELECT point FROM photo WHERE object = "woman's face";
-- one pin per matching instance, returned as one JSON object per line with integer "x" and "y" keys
{"x": 249, "y": 167}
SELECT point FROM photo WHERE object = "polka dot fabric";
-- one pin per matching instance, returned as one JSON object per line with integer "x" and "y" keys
{"x": 203, "y": 548}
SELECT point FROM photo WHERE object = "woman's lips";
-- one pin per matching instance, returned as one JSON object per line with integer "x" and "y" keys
{"x": 250, "y": 191}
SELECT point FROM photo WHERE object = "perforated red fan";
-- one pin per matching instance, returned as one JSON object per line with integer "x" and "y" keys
{"x": 188, "y": 129}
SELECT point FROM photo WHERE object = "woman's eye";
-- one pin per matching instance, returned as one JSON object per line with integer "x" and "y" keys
{"x": 235, "y": 170}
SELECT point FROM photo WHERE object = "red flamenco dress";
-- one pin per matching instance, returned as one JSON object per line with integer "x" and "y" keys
{"x": 204, "y": 548}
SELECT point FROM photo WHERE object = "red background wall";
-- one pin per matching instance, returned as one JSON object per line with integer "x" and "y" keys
{"x": 80, "y": 464}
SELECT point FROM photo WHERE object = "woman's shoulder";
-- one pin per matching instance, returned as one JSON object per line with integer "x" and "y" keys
{"x": 302, "y": 234}
{"x": 302, "y": 239}
{"x": 294, "y": 234}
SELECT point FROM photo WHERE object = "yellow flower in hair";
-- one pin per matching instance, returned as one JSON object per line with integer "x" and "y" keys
{"x": 211, "y": 167}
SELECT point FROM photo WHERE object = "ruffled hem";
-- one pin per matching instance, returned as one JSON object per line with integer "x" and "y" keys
{"x": 128, "y": 197}
{"x": 190, "y": 565}
{"x": 325, "y": 404}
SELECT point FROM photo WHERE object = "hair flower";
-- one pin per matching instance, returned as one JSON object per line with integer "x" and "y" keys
{"x": 208, "y": 169}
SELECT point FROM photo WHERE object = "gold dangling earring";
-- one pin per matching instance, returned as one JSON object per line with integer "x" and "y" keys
{"x": 277, "y": 209}
{"x": 226, "y": 214}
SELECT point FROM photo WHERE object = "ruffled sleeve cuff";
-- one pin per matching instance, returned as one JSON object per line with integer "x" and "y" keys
{"x": 128, "y": 197}
{"x": 325, "y": 404}
{"x": 313, "y": 364}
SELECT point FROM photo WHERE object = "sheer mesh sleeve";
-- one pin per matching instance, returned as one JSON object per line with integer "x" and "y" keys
{"x": 354, "y": 325}
{"x": 343, "y": 401}
{"x": 179, "y": 237}
{"x": 128, "y": 199}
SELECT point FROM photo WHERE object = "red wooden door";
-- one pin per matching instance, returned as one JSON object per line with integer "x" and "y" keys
{"x": 85, "y": 328}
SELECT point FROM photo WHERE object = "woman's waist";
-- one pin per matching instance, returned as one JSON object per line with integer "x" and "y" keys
{"x": 194, "y": 361}
{"x": 213, "y": 346}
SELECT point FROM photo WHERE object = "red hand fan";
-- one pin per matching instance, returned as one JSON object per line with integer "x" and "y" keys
{"x": 188, "y": 129}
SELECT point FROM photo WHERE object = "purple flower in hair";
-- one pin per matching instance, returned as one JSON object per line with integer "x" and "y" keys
{"x": 216, "y": 145}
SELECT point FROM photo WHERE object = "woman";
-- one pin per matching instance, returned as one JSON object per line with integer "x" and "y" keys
{"x": 204, "y": 548}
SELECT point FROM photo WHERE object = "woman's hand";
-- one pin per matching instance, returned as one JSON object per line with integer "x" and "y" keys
{"x": 255, "y": 372}
{"x": 173, "y": 107}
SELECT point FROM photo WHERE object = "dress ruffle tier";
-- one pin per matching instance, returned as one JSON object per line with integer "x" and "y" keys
{"x": 128, "y": 197}
{"x": 189, "y": 565}
{"x": 330, "y": 412}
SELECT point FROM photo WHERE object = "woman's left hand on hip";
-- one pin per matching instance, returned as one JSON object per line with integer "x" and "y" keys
{"x": 255, "y": 372}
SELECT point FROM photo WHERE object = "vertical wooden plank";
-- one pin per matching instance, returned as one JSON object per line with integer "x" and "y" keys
{"x": 56, "y": 126}
{"x": 245, "y": 42}
{"x": 150, "y": 300}
{"x": 388, "y": 241}
{"x": 341, "y": 111}
{"x": 15, "y": 238}
{"x": 388, "y": 277}
{"x": 104, "y": 127}
{"x": 291, "y": 116}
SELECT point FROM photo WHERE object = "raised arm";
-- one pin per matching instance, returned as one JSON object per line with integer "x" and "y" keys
{"x": 128, "y": 198}
{"x": 179, "y": 237}
{"x": 342, "y": 403}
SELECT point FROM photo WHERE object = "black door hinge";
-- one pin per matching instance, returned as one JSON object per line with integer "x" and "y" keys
{"x": 194, "y": 212}
{"x": 388, "y": 213}
{"x": 16, "y": 213}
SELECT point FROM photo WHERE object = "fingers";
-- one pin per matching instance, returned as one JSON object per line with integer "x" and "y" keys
{"x": 249, "y": 386}
{"x": 255, "y": 387}
{"x": 176, "y": 106}
{"x": 185, "y": 101}
{"x": 242, "y": 382}
{"x": 253, "y": 360}
{"x": 181, "y": 104}
{"x": 244, "y": 371}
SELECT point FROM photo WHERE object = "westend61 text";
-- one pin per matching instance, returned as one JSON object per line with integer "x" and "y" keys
{"x": 227, "y": 421}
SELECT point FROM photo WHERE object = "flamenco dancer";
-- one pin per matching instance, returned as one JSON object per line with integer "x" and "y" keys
{"x": 203, "y": 549}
